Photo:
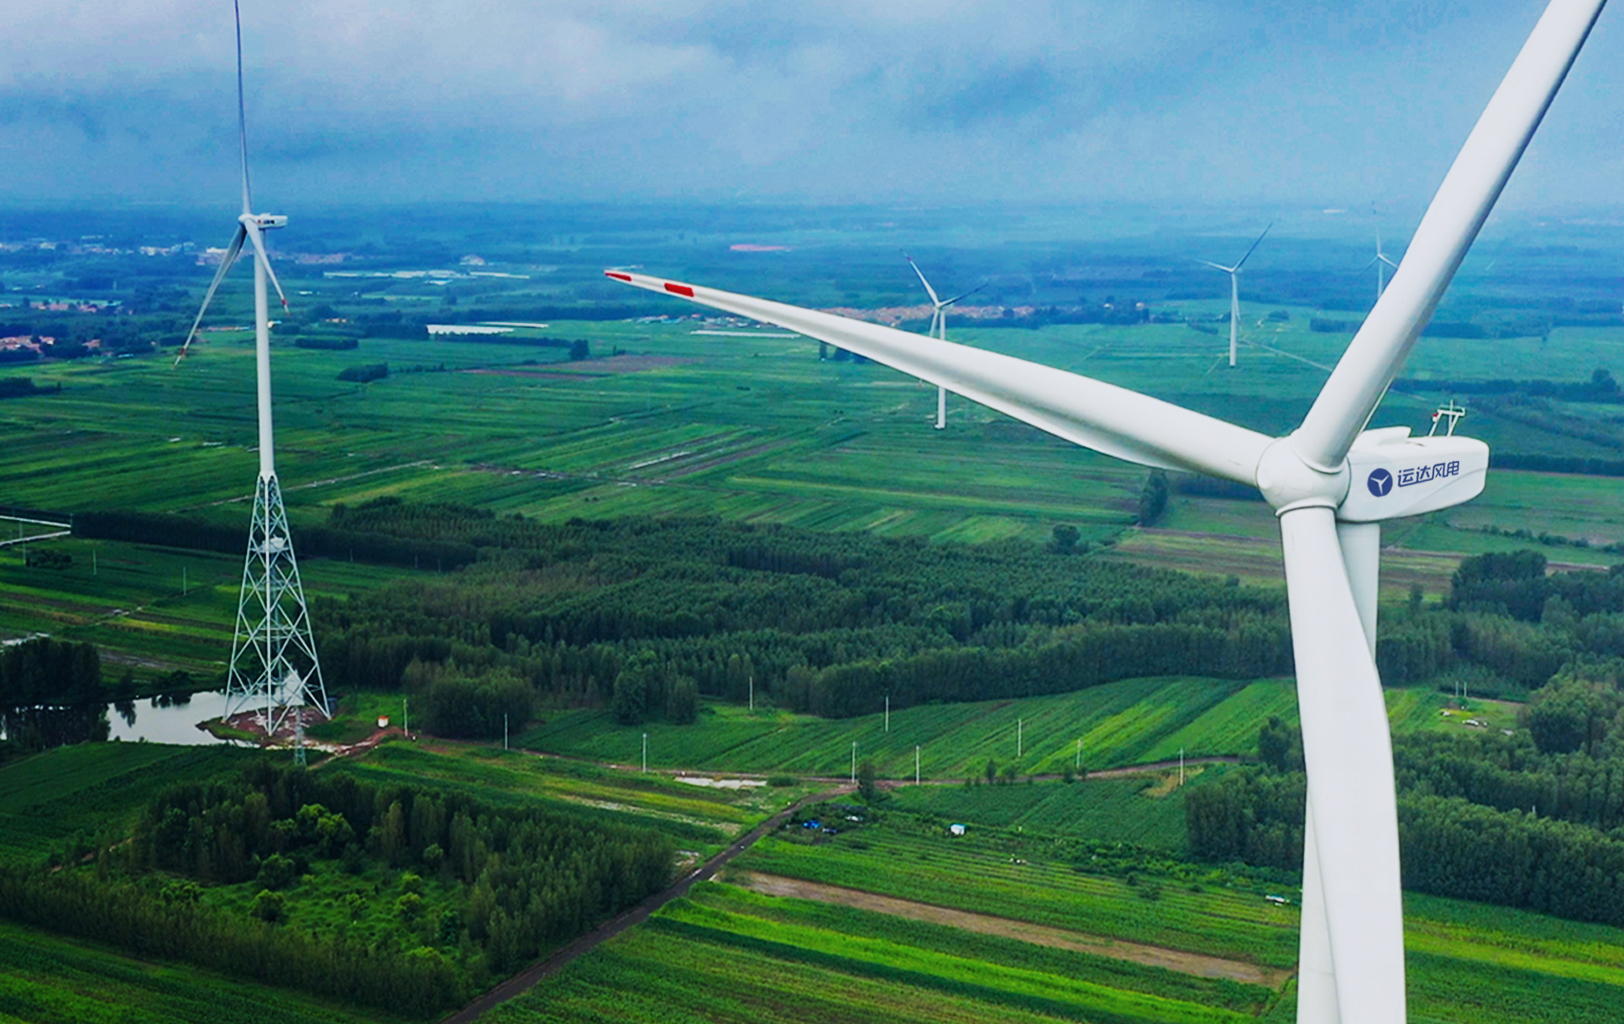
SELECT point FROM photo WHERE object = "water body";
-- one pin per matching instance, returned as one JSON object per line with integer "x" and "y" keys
{"x": 176, "y": 723}
{"x": 129, "y": 722}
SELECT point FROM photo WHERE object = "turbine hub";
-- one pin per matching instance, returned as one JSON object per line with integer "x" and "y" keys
{"x": 1288, "y": 482}
{"x": 267, "y": 221}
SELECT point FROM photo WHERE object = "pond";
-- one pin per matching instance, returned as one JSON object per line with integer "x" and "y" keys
{"x": 157, "y": 720}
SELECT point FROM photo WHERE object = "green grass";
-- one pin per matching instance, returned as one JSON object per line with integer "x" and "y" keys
{"x": 49, "y": 980}
{"x": 91, "y": 788}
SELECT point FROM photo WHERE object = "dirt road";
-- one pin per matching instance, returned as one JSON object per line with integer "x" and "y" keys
{"x": 1041, "y": 935}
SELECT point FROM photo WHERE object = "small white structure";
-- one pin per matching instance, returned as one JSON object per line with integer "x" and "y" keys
{"x": 383, "y": 721}
{"x": 955, "y": 829}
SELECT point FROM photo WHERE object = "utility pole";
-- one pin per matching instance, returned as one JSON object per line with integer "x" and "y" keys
{"x": 888, "y": 712}
{"x": 406, "y": 716}
{"x": 1181, "y": 766}
{"x": 916, "y": 764}
{"x": 854, "y": 762}
{"x": 645, "y": 753}
{"x": 504, "y": 731}
{"x": 1019, "y": 738}
{"x": 752, "y": 692}
{"x": 1079, "y": 753}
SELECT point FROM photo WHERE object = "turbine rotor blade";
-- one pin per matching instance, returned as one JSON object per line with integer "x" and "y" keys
{"x": 226, "y": 261}
{"x": 254, "y": 236}
{"x": 1446, "y": 232}
{"x": 1088, "y": 412}
{"x": 242, "y": 117}
{"x": 1384, "y": 258}
{"x": 1349, "y": 756}
{"x": 928, "y": 289}
{"x": 964, "y": 295}
{"x": 1253, "y": 249}
{"x": 1219, "y": 266}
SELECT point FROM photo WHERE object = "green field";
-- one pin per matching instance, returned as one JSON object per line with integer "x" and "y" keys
{"x": 51, "y": 799}
{"x": 729, "y": 955}
{"x": 149, "y": 609}
{"x": 1142, "y": 810}
{"x": 1131, "y": 722}
{"x": 700, "y": 819}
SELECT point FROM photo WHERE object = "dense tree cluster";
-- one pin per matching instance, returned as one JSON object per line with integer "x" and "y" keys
{"x": 526, "y": 879}
{"x": 332, "y": 541}
{"x": 645, "y": 615}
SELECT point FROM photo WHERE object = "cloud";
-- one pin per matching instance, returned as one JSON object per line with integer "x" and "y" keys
{"x": 1133, "y": 100}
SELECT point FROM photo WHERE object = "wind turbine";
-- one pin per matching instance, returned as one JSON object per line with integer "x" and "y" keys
{"x": 1235, "y": 290}
{"x": 273, "y": 654}
{"x": 938, "y": 329}
{"x": 1378, "y": 262}
{"x": 1331, "y": 483}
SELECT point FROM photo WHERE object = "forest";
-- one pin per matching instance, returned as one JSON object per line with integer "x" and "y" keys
{"x": 445, "y": 894}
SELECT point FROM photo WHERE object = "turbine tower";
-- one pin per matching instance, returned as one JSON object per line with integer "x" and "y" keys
{"x": 1235, "y": 291}
{"x": 1331, "y": 483}
{"x": 938, "y": 329}
{"x": 1381, "y": 263}
{"x": 273, "y": 654}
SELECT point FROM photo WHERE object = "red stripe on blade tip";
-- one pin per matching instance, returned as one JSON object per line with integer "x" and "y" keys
{"x": 679, "y": 289}
{"x": 618, "y": 277}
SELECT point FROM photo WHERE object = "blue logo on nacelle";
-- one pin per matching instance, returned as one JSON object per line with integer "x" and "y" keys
{"x": 1380, "y": 482}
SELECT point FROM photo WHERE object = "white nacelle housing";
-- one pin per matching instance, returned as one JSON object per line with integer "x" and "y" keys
{"x": 1393, "y": 474}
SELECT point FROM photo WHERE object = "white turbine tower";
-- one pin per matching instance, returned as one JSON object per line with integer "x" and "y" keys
{"x": 273, "y": 654}
{"x": 938, "y": 329}
{"x": 1381, "y": 263}
{"x": 1331, "y": 483}
{"x": 1235, "y": 291}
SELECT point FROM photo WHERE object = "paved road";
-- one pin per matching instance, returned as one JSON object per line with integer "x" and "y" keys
{"x": 526, "y": 979}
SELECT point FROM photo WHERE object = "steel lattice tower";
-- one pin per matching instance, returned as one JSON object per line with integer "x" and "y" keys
{"x": 273, "y": 653}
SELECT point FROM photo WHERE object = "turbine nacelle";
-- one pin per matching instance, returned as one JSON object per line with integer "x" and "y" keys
{"x": 266, "y": 221}
{"x": 1393, "y": 474}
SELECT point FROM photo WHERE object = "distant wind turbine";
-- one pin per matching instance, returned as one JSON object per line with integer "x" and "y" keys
{"x": 1380, "y": 262}
{"x": 1235, "y": 291}
{"x": 938, "y": 329}
{"x": 273, "y": 654}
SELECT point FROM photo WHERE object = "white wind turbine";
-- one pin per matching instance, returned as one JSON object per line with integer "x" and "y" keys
{"x": 1381, "y": 263}
{"x": 1235, "y": 291}
{"x": 1331, "y": 483}
{"x": 273, "y": 654}
{"x": 938, "y": 329}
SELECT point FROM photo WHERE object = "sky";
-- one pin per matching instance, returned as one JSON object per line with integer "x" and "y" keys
{"x": 1188, "y": 102}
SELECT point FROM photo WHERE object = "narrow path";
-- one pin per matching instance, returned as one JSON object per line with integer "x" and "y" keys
{"x": 526, "y": 979}
{"x": 1198, "y": 964}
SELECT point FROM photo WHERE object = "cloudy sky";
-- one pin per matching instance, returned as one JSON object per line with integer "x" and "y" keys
{"x": 1180, "y": 101}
